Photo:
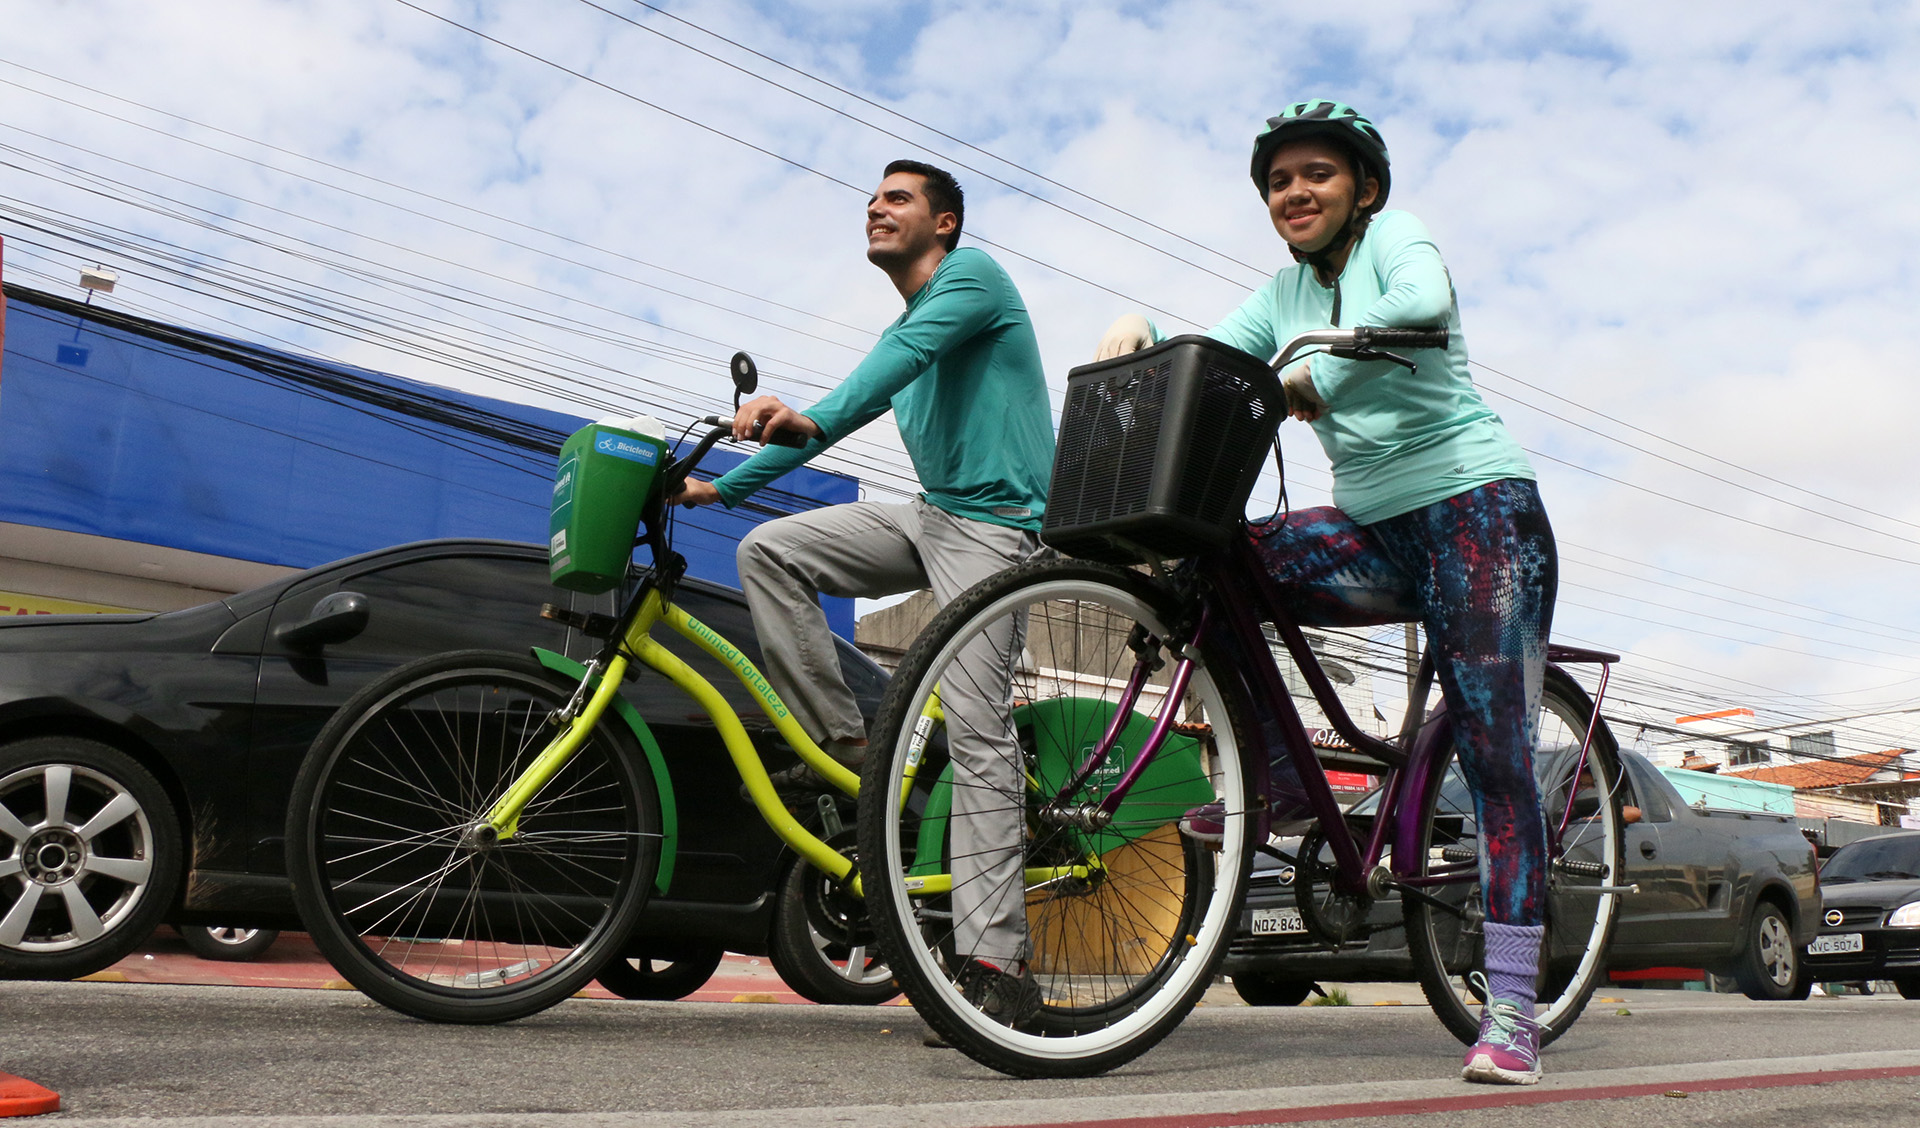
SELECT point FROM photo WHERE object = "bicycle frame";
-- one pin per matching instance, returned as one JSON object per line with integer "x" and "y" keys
{"x": 650, "y": 606}
{"x": 1409, "y": 761}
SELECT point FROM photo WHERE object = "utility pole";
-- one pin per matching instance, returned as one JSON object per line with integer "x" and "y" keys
{"x": 1413, "y": 658}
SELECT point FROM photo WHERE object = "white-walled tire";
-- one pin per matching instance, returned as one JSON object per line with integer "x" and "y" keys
{"x": 1121, "y": 954}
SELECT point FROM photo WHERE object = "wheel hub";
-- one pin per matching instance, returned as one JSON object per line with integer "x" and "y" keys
{"x": 479, "y": 838}
{"x": 53, "y": 856}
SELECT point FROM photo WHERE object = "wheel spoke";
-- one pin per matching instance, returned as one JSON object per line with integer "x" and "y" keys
{"x": 11, "y": 826}
{"x": 13, "y": 928}
{"x": 133, "y": 871}
{"x": 86, "y": 923}
{"x": 118, "y": 809}
{"x": 58, "y": 781}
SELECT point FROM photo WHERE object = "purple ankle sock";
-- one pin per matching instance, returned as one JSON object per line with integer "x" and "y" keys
{"x": 1513, "y": 959}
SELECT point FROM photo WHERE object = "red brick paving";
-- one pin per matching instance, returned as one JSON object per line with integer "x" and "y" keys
{"x": 294, "y": 962}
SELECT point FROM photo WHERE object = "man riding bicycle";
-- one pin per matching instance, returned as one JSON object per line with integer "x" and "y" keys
{"x": 961, "y": 371}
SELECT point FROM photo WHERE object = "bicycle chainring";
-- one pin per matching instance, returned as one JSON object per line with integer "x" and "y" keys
{"x": 1331, "y": 916}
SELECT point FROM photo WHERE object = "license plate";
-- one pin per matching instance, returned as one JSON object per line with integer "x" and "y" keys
{"x": 1277, "y": 922}
{"x": 1836, "y": 944}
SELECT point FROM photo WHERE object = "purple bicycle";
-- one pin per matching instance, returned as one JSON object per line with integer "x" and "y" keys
{"x": 1123, "y": 688}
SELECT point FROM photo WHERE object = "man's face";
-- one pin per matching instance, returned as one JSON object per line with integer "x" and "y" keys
{"x": 901, "y": 226}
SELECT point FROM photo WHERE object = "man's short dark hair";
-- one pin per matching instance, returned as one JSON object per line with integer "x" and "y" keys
{"x": 943, "y": 193}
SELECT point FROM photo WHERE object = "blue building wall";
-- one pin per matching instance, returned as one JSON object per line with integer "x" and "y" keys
{"x": 129, "y": 429}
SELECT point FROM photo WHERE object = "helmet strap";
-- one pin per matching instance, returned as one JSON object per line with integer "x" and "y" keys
{"x": 1322, "y": 260}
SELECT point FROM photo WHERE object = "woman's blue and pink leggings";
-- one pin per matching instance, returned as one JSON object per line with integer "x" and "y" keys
{"x": 1478, "y": 571}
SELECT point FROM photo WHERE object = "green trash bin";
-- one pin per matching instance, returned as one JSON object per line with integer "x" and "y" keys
{"x": 606, "y": 471}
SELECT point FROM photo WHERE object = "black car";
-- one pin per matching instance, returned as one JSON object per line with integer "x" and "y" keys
{"x": 1731, "y": 891}
{"x": 146, "y": 762}
{"x": 1870, "y": 914}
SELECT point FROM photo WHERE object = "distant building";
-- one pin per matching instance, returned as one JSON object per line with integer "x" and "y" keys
{"x": 1876, "y": 788}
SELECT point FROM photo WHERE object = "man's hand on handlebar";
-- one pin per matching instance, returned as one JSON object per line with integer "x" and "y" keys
{"x": 764, "y": 416}
{"x": 693, "y": 492}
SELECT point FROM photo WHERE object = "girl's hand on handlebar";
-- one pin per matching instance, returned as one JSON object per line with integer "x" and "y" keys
{"x": 1303, "y": 399}
{"x": 694, "y": 492}
{"x": 761, "y": 417}
{"x": 1130, "y": 333}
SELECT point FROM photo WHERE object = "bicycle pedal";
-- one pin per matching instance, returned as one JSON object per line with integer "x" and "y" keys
{"x": 589, "y": 623}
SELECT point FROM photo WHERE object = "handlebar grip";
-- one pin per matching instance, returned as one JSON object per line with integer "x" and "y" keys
{"x": 1382, "y": 336}
{"x": 782, "y": 437}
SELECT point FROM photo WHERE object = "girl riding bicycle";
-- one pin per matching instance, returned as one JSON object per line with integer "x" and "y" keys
{"x": 1436, "y": 516}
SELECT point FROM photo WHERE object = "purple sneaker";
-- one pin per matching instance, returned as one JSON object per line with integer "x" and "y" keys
{"x": 1508, "y": 1052}
{"x": 1206, "y": 823}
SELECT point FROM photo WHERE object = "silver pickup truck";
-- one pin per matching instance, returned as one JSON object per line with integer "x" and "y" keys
{"x": 1732, "y": 892}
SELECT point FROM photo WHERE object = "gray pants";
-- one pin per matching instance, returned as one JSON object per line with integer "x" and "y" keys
{"x": 867, "y": 549}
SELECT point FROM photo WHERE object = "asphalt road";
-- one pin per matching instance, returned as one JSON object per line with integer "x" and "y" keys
{"x": 156, "y": 1055}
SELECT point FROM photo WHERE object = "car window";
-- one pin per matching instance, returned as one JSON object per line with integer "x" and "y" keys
{"x": 456, "y": 603}
{"x": 1646, "y": 790}
{"x": 1874, "y": 859}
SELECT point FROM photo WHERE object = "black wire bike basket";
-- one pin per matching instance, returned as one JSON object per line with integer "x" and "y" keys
{"x": 1158, "y": 451}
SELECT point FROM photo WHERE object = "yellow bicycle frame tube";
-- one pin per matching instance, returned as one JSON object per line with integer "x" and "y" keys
{"x": 504, "y": 817}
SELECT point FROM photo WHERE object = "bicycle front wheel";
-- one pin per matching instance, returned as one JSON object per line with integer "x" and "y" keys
{"x": 418, "y": 910}
{"x": 1447, "y": 943}
{"x": 1121, "y": 919}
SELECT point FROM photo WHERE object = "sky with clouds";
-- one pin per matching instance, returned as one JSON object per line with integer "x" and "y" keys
{"x": 1683, "y": 237}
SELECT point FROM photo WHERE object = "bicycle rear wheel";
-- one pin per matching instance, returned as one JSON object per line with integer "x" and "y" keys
{"x": 1448, "y": 944}
{"x": 430, "y": 919}
{"x": 1127, "y": 919}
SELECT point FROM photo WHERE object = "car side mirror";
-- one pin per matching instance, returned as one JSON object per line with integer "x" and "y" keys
{"x": 746, "y": 377}
{"x": 335, "y": 619}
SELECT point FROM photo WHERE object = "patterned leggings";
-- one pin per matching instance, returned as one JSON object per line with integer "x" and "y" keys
{"x": 1479, "y": 571}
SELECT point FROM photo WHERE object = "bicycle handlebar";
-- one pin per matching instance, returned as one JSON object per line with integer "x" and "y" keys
{"x": 1365, "y": 335}
{"x": 1365, "y": 340}
{"x": 677, "y": 472}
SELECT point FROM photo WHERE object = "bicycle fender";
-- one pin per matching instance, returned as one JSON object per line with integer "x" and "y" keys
{"x": 1406, "y": 829}
{"x": 663, "y": 783}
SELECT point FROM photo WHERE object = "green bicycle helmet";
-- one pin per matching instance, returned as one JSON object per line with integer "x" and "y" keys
{"x": 1322, "y": 118}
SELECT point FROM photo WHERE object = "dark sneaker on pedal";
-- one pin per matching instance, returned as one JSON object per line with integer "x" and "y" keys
{"x": 1206, "y": 823}
{"x": 1011, "y": 1000}
{"x": 801, "y": 782}
{"x": 1508, "y": 1052}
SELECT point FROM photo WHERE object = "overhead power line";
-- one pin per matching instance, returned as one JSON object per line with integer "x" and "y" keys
{"x": 763, "y": 150}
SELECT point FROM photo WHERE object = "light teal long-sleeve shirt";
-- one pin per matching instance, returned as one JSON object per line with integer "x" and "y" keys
{"x": 961, "y": 371}
{"x": 1397, "y": 440}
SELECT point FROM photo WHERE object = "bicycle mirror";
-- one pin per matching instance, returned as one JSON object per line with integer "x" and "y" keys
{"x": 745, "y": 377}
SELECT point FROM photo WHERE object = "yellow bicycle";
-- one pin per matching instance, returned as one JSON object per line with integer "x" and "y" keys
{"x": 474, "y": 836}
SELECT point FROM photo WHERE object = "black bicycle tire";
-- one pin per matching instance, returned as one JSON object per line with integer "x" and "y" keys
{"x": 898, "y": 932}
{"x": 386, "y": 983}
{"x": 1430, "y": 963}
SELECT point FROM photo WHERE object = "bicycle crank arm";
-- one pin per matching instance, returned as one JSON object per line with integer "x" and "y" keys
{"x": 1428, "y": 899}
{"x": 1597, "y": 890}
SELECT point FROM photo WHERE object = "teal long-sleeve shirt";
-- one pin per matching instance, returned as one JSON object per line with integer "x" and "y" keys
{"x": 1397, "y": 440}
{"x": 961, "y": 371}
